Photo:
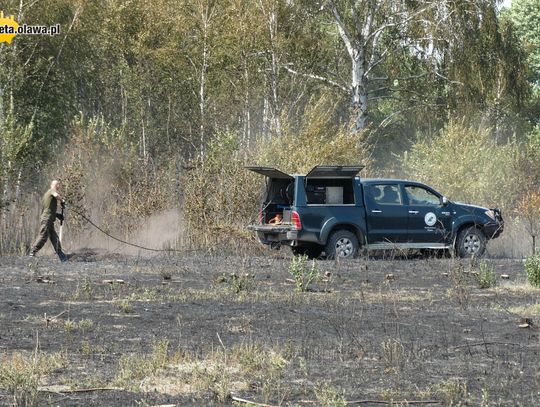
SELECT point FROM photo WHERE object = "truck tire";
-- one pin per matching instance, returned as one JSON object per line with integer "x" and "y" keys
{"x": 342, "y": 244}
{"x": 471, "y": 242}
{"x": 312, "y": 251}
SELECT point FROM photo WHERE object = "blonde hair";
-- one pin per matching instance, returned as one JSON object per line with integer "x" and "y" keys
{"x": 56, "y": 182}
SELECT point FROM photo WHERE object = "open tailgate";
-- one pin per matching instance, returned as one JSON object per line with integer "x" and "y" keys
{"x": 270, "y": 172}
{"x": 334, "y": 171}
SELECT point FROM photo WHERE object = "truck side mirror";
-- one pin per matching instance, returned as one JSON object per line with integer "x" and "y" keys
{"x": 444, "y": 201}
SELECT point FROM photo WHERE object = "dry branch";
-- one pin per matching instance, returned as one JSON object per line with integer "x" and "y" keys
{"x": 484, "y": 344}
{"x": 253, "y": 403}
{"x": 47, "y": 390}
{"x": 393, "y": 402}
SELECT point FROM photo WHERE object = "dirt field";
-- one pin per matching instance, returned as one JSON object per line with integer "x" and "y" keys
{"x": 111, "y": 330}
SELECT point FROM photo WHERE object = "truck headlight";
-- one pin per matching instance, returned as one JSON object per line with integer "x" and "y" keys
{"x": 491, "y": 214}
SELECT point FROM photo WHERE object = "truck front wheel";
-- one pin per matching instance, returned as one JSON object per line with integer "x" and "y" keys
{"x": 342, "y": 244}
{"x": 471, "y": 242}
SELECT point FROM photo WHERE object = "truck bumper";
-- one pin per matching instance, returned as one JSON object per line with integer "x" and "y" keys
{"x": 272, "y": 234}
{"x": 492, "y": 230}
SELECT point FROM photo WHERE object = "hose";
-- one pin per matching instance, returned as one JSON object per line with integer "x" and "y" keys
{"x": 120, "y": 240}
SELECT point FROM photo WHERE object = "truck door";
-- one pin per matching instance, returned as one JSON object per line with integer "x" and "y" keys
{"x": 429, "y": 220}
{"x": 386, "y": 212}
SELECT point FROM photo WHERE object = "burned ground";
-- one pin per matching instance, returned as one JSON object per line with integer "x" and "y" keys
{"x": 196, "y": 329}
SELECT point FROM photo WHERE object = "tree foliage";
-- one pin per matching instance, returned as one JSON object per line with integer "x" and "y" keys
{"x": 525, "y": 15}
{"x": 166, "y": 79}
{"x": 466, "y": 164}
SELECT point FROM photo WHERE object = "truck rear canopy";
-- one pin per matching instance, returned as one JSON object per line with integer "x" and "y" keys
{"x": 334, "y": 171}
{"x": 270, "y": 172}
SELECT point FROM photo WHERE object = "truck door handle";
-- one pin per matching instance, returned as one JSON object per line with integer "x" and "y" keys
{"x": 414, "y": 212}
{"x": 376, "y": 211}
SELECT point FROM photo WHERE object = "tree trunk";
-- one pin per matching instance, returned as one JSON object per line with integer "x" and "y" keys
{"x": 247, "y": 116}
{"x": 355, "y": 41}
{"x": 275, "y": 108}
{"x": 359, "y": 85}
{"x": 202, "y": 96}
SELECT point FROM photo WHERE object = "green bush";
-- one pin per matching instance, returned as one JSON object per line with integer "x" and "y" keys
{"x": 220, "y": 195}
{"x": 303, "y": 275}
{"x": 466, "y": 164}
{"x": 532, "y": 267}
{"x": 486, "y": 276}
{"x": 315, "y": 140}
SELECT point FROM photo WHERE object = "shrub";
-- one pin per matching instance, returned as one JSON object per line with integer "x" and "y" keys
{"x": 220, "y": 195}
{"x": 486, "y": 276}
{"x": 532, "y": 267}
{"x": 303, "y": 275}
{"x": 468, "y": 165}
{"x": 529, "y": 212}
{"x": 316, "y": 140}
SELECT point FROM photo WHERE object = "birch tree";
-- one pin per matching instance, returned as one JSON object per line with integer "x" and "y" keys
{"x": 370, "y": 31}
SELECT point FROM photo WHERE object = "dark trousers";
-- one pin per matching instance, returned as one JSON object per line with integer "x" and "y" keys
{"x": 47, "y": 231}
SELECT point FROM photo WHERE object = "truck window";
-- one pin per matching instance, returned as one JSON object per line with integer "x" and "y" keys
{"x": 421, "y": 196}
{"x": 330, "y": 191}
{"x": 385, "y": 194}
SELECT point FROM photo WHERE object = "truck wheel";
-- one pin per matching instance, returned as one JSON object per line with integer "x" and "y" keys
{"x": 312, "y": 251}
{"x": 342, "y": 245}
{"x": 471, "y": 242}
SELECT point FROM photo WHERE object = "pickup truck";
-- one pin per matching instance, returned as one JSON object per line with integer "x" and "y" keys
{"x": 332, "y": 211}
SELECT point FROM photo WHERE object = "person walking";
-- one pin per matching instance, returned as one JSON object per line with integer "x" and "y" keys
{"x": 48, "y": 216}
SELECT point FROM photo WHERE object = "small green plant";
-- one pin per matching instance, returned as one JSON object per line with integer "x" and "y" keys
{"x": 145, "y": 294}
{"x": 532, "y": 267}
{"x": 303, "y": 275}
{"x": 133, "y": 368}
{"x": 393, "y": 354}
{"x": 329, "y": 396}
{"x": 69, "y": 326}
{"x": 453, "y": 392}
{"x": 243, "y": 282}
{"x": 165, "y": 273}
{"x": 84, "y": 291}
{"x": 460, "y": 290}
{"x": 86, "y": 325}
{"x": 486, "y": 275}
{"x": 21, "y": 374}
{"x": 125, "y": 306}
{"x": 88, "y": 289}
{"x": 86, "y": 349}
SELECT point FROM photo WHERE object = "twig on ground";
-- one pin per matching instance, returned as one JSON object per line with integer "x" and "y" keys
{"x": 397, "y": 402}
{"x": 48, "y": 320}
{"x": 467, "y": 345}
{"x": 253, "y": 403}
{"x": 46, "y": 390}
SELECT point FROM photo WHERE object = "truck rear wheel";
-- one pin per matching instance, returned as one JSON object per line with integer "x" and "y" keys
{"x": 471, "y": 242}
{"x": 342, "y": 244}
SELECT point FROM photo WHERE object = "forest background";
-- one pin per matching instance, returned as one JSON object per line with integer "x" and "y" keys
{"x": 149, "y": 110}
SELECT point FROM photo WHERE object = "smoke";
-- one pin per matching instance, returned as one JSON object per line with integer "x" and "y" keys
{"x": 161, "y": 231}
{"x": 515, "y": 242}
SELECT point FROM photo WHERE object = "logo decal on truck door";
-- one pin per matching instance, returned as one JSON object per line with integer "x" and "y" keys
{"x": 430, "y": 219}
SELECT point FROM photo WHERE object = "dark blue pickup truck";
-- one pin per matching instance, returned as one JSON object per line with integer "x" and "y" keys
{"x": 331, "y": 210}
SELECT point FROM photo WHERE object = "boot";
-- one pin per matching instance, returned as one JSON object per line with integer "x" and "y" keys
{"x": 62, "y": 257}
